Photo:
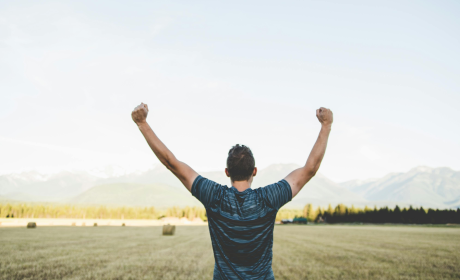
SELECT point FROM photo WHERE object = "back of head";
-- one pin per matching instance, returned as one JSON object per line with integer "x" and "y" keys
{"x": 240, "y": 163}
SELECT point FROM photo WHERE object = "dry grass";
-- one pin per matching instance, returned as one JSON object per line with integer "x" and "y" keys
{"x": 366, "y": 252}
{"x": 300, "y": 252}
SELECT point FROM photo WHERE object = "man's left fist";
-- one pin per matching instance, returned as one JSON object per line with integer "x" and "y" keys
{"x": 139, "y": 113}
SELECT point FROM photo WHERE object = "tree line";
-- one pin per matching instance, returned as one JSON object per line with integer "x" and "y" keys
{"x": 344, "y": 214}
{"x": 96, "y": 212}
{"x": 339, "y": 214}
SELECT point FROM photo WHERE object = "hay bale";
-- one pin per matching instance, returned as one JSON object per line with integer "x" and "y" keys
{"x": 95, "y": 225}
{"x": 123, "y": 224}
{"x": 169, "y": 229}
{"x": 32, "y": 225}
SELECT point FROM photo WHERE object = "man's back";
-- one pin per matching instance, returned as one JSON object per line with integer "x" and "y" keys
{"x": 241, "y": 219}
{"x": 241, "y": 226}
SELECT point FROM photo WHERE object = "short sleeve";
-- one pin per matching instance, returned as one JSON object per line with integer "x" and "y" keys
{"x": 206, "y": 191}
{"x": 278, "y": 194}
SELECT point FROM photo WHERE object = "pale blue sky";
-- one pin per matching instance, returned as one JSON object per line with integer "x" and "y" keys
{"x": 218, "y": 74}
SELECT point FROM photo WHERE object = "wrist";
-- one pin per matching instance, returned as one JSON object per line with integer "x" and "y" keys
{"x": 326, "y": 126}
{"x": 142, "y": 124}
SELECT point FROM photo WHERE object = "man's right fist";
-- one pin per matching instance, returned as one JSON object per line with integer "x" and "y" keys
{"x": 139, "y": 113}
{"x": 324, "y": 116}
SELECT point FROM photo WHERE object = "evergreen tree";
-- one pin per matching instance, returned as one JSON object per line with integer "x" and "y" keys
{"x": 309, "y": 213}
{"x": 319, "y": 214}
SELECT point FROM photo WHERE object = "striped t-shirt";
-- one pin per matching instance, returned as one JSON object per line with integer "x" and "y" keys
{"x": 241, "y": 226}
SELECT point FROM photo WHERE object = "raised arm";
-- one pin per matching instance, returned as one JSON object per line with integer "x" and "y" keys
{"x": 182, "y": 171}
{"x": 299, "y": 177}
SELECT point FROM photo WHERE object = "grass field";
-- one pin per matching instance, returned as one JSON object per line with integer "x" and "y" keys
{"x": 300, "y": 252}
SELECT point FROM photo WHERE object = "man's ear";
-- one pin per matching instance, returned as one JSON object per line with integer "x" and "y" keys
{"x": 254, "y": 173}
{"x": 226, "y": 172}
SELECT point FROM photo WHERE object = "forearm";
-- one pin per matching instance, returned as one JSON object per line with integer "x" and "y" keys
{"x": 181, "y": 170}
{"x": 161, "y": 151}
{"x": 317, "y": 153}
{"x": 299, "y": 177}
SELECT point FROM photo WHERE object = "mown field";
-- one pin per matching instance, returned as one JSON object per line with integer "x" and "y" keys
{"x": 300, "y": 252}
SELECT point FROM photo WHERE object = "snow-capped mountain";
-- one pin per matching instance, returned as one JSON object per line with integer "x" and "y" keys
{"x": 426, "y": 186}
{"x": 421, "y": 186}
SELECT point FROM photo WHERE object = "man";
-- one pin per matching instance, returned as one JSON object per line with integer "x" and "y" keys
{"x": 241, "y": 220}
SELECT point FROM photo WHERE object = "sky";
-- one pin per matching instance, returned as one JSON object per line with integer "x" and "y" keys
{"x": 217, "y": 74}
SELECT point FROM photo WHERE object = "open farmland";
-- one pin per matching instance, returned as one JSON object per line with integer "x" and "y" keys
{"x": 300, "y": 252}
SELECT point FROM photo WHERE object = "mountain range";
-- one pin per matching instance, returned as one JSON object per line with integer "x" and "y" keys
{"x": 429, "y": 187}
{"x": 421, "y": 186}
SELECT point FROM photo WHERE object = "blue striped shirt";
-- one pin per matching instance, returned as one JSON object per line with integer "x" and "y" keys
{"x": 241, "y": 226}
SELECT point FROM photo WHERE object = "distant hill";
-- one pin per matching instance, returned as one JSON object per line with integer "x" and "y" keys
{"x": 425, "y": 186}
{"x": 319, "y": 191}
{"x": 322, "y": 191}
{"x": 421, "y": 186}
{"x": 132, "y": 190}
{"x": 33, "y": 186}
{"x": 129, "y": 194}
{"x": 18, "y": 196}
{"x": 6, "y": 199}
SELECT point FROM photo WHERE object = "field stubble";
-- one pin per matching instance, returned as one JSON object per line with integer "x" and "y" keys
{"x": 300, "y": 252}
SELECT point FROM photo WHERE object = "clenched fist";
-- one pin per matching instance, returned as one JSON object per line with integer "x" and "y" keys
{"x": 324, "y": 116}
{"x": 139, "y": 113}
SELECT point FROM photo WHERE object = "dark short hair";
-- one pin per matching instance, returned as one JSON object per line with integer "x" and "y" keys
{"x": 240, "y": 163}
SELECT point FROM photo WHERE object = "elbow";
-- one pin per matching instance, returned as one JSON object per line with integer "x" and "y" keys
{"x": 311, "y": 167}
{"x": 311, "y": 171}
{"x": 167, "y": 164}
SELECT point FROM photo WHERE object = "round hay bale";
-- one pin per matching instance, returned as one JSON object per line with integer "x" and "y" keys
{"x": 169, "y": 229}
{"x": 31, "y": 225}
{"x": 74, "y": 224}
{"x": 123, "y": 224}
{"x": 95, "y": 225}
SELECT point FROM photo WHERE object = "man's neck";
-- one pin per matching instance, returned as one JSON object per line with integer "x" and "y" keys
{"x": 241, "y": 186}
